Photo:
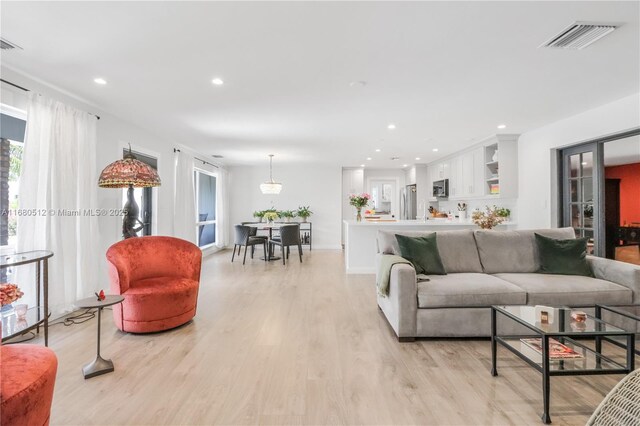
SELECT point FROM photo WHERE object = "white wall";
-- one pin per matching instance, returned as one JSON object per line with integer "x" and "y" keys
{"x": 316, "y": 186}
{"x": 537, "y": 206}
{"x": 113, "y": 134}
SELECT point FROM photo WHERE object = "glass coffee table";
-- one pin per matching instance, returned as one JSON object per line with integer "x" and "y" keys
{"x": 552, "y": 349}
{"x": 624, "y": 316}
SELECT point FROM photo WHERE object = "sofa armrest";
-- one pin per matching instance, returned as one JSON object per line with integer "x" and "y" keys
{"x": 400, "y": 306}
{"x": 622, "y": 273}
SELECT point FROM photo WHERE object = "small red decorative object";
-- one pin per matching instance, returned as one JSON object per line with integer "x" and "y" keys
{"x": 100, "y": 296}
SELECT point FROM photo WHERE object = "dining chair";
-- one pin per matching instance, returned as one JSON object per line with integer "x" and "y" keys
{"x": 289, "y": 236}
{"x": 244, "y": 238}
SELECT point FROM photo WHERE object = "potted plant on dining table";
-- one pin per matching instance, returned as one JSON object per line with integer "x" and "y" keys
{"x": 259, "y": 214}
{"x": 287, "y": 215}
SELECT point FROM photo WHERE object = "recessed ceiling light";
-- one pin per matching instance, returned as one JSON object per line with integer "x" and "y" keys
{"x": 100, "y": 81}
{"x": 217, "y": 81}
{"x": 391, "y": 126}
{"x": 368, "y": 158}
{"x": 361, "y": 165}
{"x": 502, "y": 126}
{"x": 418, "y": 158}
{"x": 435, "y": 150}
{"x": 404, "y": 165}
{"x": 378, "y": 150}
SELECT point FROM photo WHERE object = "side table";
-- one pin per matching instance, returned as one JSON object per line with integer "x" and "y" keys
{"x": 99, "y": 365}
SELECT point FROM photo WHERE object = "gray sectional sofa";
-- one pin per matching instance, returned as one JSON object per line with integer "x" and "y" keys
{"x": 487, "y": 268}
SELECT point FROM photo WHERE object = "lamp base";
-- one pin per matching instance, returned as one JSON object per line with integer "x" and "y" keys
{"x": 130, "y": 220}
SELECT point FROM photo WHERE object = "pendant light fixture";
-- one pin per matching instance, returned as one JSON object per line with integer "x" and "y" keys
{"x": 271, "y": 187}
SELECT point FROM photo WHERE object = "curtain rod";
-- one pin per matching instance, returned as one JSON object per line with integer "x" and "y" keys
{"x": 27, "y": 90}
{"x": 199, "y": 159}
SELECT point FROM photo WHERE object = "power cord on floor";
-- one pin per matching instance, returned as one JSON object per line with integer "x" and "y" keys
{"x": 80, "y": 318}
{"x": 86, "y": 315}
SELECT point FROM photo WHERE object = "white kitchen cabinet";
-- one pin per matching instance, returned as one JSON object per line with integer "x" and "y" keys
{"x": 472, "y": 172}
{"x": 456, "y": 187}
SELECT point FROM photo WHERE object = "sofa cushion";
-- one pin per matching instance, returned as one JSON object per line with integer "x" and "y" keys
{"x": 423, "y": 254}
{"x": 457, "y": 248}
{"x": 563, "y": 257}
{"x": 468, "y": 290}
{"x": 570, "y": 290}
{"x": 513, "y": 251}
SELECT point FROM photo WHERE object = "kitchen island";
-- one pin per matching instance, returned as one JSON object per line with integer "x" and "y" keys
{"x": 360, "y": 246}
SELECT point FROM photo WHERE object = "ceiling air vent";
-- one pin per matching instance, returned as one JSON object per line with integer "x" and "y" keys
{"x": 217, "y": 156}
{"x": 579, "y": 35}
{"x": 7, "y": 45}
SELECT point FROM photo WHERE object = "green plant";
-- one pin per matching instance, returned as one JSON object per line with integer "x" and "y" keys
{"x": 304, "y": 212}
{"x": 259, "y": 214}
{"x": 502, "y": 211}
{"x": 287, "y": 213}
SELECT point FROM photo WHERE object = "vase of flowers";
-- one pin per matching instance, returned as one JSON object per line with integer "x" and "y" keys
{"x": 270, "y": 215}
{"x": 359, "y": 201}
{"x": 9, "y": 293}
{"x": 487, "y": 219}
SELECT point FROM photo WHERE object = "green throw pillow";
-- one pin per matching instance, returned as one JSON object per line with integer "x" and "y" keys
{"x": 423, "y": 253}
{"x": 563, "y": 257}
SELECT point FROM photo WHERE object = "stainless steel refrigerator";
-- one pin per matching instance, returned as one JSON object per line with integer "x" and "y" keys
{"x": 409, "y": 204}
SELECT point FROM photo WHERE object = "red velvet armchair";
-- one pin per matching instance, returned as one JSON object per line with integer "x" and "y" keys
{"x": 159, "y": 279}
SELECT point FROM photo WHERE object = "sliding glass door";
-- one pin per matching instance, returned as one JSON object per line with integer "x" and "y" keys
{"x": 582, "y": 183}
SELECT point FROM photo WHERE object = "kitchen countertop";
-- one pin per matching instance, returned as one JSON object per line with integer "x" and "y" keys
{"x": 429, "y": 222}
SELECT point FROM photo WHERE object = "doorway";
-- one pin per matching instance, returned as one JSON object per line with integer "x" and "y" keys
{"x": 591, "y": 197}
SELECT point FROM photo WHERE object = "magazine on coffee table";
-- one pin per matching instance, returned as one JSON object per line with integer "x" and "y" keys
{"x": 556, "y": 349}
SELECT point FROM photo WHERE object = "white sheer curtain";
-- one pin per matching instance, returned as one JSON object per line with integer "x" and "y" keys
{"x": 58, "y": 182}
{"x": 222, "y": 207}
{"x": 184, "y": 200}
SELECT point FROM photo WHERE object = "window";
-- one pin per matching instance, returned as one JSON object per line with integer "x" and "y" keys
{"x": 12, "y": 128}
{"x": 206, "y": 207}
{"x": 11, "y": 157}
{"x": 143, "y": 196}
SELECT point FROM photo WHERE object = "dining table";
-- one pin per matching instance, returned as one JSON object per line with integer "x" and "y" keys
{"x": 268, "y": 227}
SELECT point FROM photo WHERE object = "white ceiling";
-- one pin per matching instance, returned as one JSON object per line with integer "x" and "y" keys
{"x": 446, "y": 73}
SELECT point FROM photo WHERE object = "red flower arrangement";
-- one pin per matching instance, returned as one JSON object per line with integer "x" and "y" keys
{"x": 9, "y": 293}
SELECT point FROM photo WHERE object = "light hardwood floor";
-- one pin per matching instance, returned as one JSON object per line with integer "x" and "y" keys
{"x": 301, "y": 344}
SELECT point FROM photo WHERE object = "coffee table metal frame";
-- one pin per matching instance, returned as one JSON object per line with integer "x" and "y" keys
{"x": 545, "y": 336}
{"x": 618, "y": 310}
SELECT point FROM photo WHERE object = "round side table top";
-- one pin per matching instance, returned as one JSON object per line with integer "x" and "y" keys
{"x": 93, "y": 302}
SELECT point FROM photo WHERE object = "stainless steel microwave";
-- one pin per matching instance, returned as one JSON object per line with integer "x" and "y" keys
{"x": 441, "y": 188}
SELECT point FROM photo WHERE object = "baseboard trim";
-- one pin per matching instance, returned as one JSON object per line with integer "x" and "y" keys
{"x": 362, "y": 270}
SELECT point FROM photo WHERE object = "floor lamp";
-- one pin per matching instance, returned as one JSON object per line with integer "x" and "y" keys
{"x": 129, "y": 173}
